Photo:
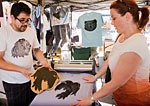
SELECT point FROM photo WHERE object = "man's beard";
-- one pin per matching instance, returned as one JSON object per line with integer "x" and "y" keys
{"x": 22, "y": 28}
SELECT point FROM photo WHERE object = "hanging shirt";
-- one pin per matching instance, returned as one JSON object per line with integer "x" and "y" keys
{"x": 90, "y": 24}
{"x": 46, "y": 27}
{"x": 60, "y": 15}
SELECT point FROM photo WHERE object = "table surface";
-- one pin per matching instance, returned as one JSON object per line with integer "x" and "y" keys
{"x": 48, "y": 97}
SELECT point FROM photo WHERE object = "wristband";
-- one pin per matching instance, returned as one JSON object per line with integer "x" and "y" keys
{"x": 96, "y": 101}
{"x": 92, "y": 98}
{"x": 95, "y": 77}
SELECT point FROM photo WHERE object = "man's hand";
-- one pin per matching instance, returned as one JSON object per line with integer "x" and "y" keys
{"x": 44, "y": 63}
{"x": 25, "y": 73}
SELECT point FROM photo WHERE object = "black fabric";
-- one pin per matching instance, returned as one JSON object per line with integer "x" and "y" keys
{"x": 18, "y": 94}
{"x": 49, "y": 37}
{"x": 75, "y": 39}
{"x": 70, "y": 88}
{"x": 38, "y": 34}
{"x": 108, "y": 75}
{"x": 1, "y": 9}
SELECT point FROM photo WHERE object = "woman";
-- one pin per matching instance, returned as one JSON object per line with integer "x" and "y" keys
{"x": 128, "y": 61}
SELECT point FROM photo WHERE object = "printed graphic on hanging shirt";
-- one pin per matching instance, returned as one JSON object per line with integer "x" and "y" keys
{"x": 90, "y": 25}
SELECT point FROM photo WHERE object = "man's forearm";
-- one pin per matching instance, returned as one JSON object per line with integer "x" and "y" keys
{"x": 10, "y": 67}
{"x": 39, "y": 55}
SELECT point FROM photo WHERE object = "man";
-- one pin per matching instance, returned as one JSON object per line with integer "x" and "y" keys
{"x": 16, "y": 62}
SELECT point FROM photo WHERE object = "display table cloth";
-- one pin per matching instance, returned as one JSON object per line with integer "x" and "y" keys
{"x": 48, "y": 97}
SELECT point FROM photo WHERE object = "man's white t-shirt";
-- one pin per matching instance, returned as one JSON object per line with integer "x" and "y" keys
{"x": 18, "y": 51}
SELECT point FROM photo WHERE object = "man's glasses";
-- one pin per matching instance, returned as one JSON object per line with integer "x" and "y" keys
{"x": 23, "y": 21}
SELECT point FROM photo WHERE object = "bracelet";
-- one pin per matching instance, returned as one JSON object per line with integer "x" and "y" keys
{"x": 95, "y": 77}
{"x": 92, "y": 99}
{"x": 96, "y": 101}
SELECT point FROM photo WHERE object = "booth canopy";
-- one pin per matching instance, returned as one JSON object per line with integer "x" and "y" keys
{"x": 81, "y": 4}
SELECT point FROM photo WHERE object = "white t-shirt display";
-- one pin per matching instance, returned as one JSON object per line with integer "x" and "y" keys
{"x": 18, "y": 50}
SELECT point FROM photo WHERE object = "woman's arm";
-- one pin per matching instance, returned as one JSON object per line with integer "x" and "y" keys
{"x": 103, "y": 69}
{"x": 126, "y": 66}
{"x": 101, "y": 72}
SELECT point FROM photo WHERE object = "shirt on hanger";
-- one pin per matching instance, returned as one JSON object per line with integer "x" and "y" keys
{"x": 90, "y": 24}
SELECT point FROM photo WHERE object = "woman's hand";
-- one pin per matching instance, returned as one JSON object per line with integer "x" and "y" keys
{"x": 89, "y": 78}
{"x": 83, "y": 102}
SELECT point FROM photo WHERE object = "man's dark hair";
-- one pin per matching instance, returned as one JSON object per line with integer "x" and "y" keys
{"x": 17, "y": 8}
